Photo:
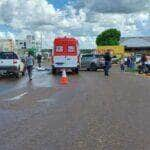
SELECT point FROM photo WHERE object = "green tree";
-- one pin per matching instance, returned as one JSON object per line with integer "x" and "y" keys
{"x": 32, "y": 51}
{"x": 108, "y": 37}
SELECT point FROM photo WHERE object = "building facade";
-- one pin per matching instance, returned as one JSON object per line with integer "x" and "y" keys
{"x": 30, "y": 42}
{"x": 136, "y": 44}
{"x": 7, "y": 45}
{"x": 20, "y": 44}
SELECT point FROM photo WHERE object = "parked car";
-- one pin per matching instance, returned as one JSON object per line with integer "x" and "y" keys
{"x": 115, "y": 60}
{"x": 92, "y": 62}
{"x": 11, "y": 63}
{"x": 138, "y": 58}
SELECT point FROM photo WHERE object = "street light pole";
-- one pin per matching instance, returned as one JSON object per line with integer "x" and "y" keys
{"x": 41, "y": 41}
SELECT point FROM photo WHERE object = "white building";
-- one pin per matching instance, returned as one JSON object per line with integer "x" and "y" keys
{"x": 27, "y": 43}
{"x": 30, "y": 41}
{"x": 20, "y": 44}
{"x": 7, "y": 45}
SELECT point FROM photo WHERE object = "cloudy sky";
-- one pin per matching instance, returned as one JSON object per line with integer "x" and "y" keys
{"x": 83, "y": 19}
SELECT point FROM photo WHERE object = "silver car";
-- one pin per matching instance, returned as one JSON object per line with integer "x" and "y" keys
{"x": 92, "y": 62}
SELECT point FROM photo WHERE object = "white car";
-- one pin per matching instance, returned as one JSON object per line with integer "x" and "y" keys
{"x": 10, "y": 63}
{"x": 137, "y": 58}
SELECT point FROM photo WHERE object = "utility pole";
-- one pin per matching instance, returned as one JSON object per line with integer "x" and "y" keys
{"x": 41, "y": 41}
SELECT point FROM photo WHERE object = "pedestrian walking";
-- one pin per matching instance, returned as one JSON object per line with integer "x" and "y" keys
{"x": 122, "y": 65}
{"x": 29, "y": 65}
{"x": 107, "y": 58}
{"x": 133, "y": 59}
{"x": 128, "y": 61}
{"x": 39, "y": 59}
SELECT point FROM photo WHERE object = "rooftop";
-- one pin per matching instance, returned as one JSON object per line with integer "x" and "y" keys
{"x": 135, "y": 41}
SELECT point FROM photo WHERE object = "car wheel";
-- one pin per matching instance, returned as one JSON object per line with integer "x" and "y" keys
{"x": 18, "y": 75}
{"x": 76, "y": 70}
{"x": 23, "y": 73}
{"x": 54, "y": 70}
{"x": 93, "y": 67}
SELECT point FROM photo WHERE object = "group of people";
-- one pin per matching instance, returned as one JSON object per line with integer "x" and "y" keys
{"x": 30, "y": 63}
{"x": 129, "y": 62}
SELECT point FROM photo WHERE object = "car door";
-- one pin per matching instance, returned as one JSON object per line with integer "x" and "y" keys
{"x": 86, "y": 60}
{"x": 71, "y": 56}
{"x": 59, "y": 56}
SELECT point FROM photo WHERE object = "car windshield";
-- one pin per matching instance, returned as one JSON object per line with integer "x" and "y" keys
{"x": 8, "y": 55}
{"x": 99, "y": 56}
{"x": 87, "y": 57}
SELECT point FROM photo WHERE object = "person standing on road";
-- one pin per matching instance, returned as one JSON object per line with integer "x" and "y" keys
{"x": 133, "y": 61}
{"x": 122, "y": 65}
{"x": 143, "y": 61}
{"x": 39, "y": 58}
{"x": 128, "y": 61}
{"x": 29, "y": 65}
{"x": 107, "y": 58}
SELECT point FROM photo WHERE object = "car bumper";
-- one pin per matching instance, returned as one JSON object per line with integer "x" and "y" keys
{"x": 10, "y": 69}
{"x": 101, "y": 66}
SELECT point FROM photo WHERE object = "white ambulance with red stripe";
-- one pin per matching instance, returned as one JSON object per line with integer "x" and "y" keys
{"x": 65, "y": 54}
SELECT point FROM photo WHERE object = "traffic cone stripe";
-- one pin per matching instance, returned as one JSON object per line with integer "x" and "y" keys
{"x": 64, "y": 79}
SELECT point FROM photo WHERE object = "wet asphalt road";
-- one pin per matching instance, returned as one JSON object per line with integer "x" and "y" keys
{"x": 90, "y": 113}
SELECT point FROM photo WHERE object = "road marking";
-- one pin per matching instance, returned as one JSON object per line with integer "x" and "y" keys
{"x": 42, "y": 101}
{"x": 17, "y": 97}
{"x": 45, "y": 100}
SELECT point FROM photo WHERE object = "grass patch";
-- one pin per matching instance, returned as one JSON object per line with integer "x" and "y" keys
{"x": 132, "y": 70}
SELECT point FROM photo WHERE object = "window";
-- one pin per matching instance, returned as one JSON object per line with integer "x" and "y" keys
{"x": 87, "y": 57}
{"x": 99, "y": 56}
{"x": 71, "y": 48}
{"x": 8, "y": 55}
{"x": 59, "y": 48}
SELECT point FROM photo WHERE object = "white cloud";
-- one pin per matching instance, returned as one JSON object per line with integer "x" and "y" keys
{"x": 5, "y": 35}
{"x": 2, "y": 34}
{"x": 114, "y": 6}
{"x": 84, "y": 20}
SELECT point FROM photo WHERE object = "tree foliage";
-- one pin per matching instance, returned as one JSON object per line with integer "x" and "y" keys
{"x": 32, "y": 51}
{"x": 108, "y": 37}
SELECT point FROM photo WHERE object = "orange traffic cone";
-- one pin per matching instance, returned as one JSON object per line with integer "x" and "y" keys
{"x": 64, "y": 79}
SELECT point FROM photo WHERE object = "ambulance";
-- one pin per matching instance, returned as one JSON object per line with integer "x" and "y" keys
{"x": 65, "y": 55}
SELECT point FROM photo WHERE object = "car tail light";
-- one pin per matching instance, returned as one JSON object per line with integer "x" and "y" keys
{"x": 14, "y": 61}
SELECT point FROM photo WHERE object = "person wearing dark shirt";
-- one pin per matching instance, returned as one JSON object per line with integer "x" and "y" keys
{"x": 128, "y": 61}
{"x": 29, "y": 64}
{"x": 39, "y": 58}
{"x": 143, "y": 60}
{"x": 107, "y": 58}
